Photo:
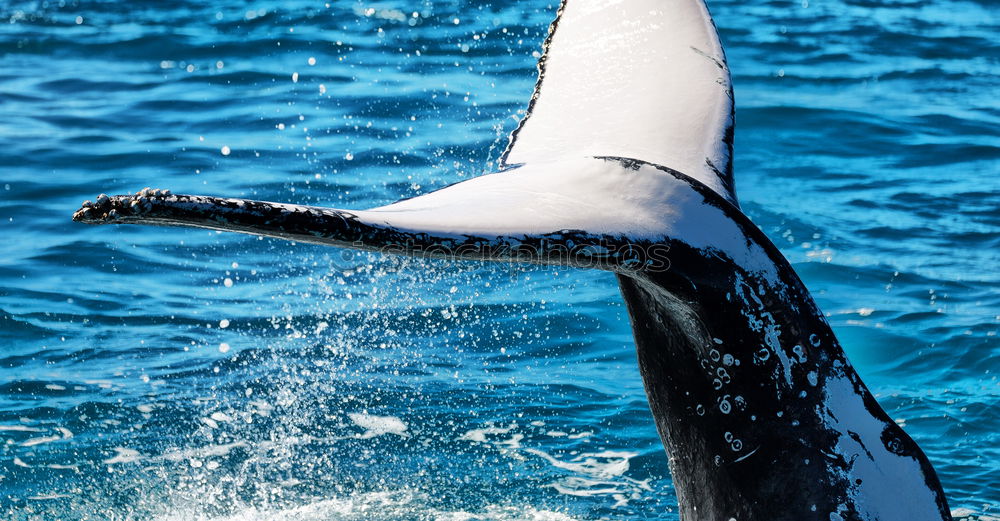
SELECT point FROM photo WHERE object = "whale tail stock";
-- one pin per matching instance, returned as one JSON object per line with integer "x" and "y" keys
{"x": 623, "y": 163}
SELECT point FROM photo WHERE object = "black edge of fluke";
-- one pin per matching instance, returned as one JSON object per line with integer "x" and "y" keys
{"x": 538, "y": 85}
{"x": 309, "y": 224}
{"x": 110, "y": 209}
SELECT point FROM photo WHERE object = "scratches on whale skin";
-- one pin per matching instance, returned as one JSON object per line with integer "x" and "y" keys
{"x": 747, "y": 455}
{"x": 719, "y": 63}
{"x": 726, "y": 178}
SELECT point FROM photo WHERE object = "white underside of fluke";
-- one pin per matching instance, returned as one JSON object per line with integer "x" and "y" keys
{"x": 639, "y": 79}
{"x": 592, "y": 195}
{"x": 644, "y": 79}
{"x": 625, "y": 138}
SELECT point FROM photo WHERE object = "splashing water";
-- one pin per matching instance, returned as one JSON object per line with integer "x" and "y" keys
{"x": 182, "y": 374}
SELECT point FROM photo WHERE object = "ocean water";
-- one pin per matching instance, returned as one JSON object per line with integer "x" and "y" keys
{"x": 178, "y": 374}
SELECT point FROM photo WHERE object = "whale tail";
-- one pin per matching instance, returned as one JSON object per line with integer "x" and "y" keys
{"x": 642, "y": 79}
{"x": 606, "y": 213}
{"x": 623, "y": 162}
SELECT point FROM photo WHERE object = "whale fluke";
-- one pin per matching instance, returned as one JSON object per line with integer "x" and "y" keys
{"x": 606, "y": 213}
{"x": 623, "y": 163}
{"x": 645, "y": 79}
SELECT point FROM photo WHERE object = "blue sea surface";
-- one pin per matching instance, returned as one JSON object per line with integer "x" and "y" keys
{"x": 180, "y": 374}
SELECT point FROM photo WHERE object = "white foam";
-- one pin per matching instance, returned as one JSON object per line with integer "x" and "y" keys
{"x": 369, "y": 506}
{"x": 603, "y": 464}
{"x": 262, "y": 408}
{"x": 514, "y": 442}
{"x": 208, "y": 451}
{"x": 595, "y": 473}
{"x": 378, "y": 425}
{"x": 221, "y": 417}
{"x": 20, "y": 428}
{"x": 40, "y": 440}
{"x": 587, "y": 487}
{"x": 43, "y": 497}
{"x": 123, "y": 455}
{"x": 598, "y": 474}
{"x": 967, "y": 514}
{"x": 480, "y": 435}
